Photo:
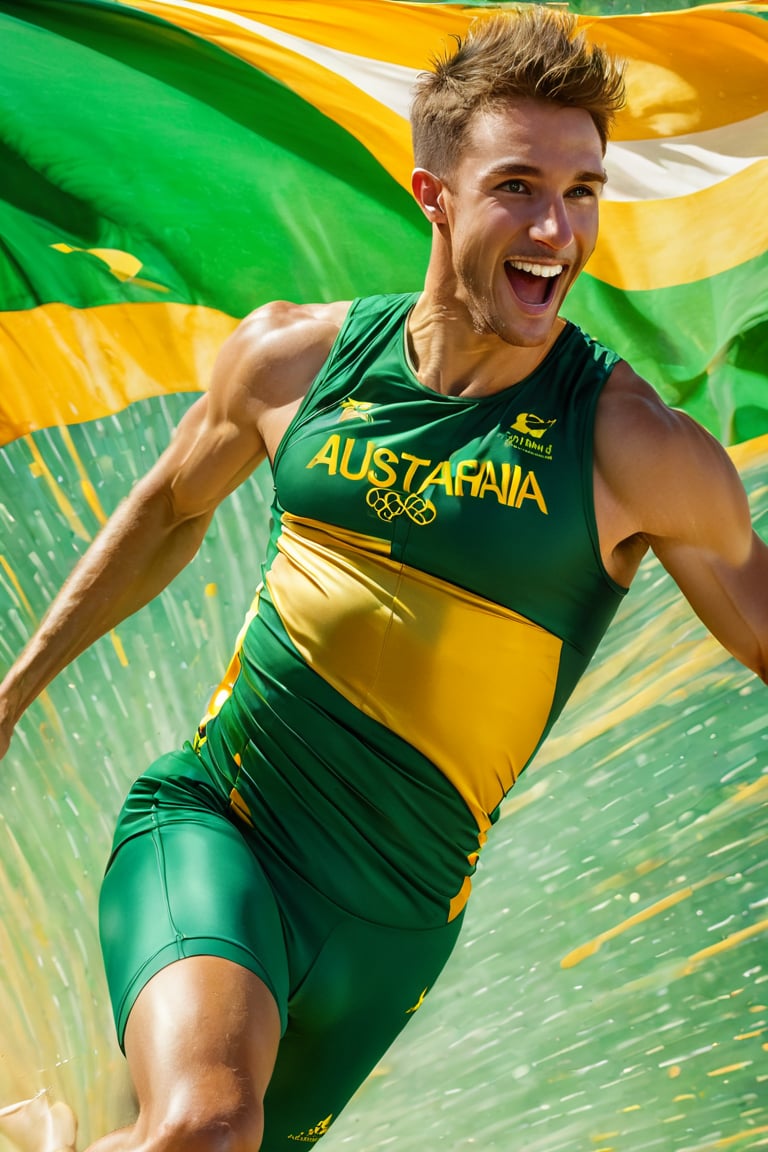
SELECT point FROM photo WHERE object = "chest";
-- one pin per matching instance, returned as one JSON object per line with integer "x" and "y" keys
{"x": 488, "y": 494}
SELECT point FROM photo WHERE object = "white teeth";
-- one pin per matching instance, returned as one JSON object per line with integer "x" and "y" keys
{"x": 545, "y": 270}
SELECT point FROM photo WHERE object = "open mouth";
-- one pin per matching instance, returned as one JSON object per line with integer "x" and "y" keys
{"x": 533, "y": 283}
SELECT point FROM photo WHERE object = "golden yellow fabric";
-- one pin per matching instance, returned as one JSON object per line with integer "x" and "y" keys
{"x": 408, "y": 35}
{"x": 421, "y": 656}
{"x": 58, "y": 361}
{"x": 652, "y": 244}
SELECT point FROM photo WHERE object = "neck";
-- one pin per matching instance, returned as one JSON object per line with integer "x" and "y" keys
{"x": 451, "y": 357}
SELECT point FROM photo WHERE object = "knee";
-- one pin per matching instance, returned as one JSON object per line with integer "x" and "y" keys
{"x": 209, "y": 1129}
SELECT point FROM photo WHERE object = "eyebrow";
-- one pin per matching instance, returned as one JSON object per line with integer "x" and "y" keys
{"x": 510, "y": 168}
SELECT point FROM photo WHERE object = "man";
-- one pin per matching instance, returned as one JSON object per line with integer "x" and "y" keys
{"x": 465, "y": 486}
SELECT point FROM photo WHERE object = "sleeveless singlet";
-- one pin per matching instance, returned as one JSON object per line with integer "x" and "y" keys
{"x": 432, "y": 592}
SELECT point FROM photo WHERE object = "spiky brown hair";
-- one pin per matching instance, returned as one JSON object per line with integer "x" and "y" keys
{"x": 530, "y": 53}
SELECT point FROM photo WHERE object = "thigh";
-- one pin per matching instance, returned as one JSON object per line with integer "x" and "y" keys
{"x": 201, "y": 1044}
{"x": 364, "y": 986}
{"x": 187, "y": 887}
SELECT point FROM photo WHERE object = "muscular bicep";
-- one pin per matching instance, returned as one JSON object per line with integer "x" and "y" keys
{"x": 729, "y": 596}
{"x": 217, "y": 444}
{"x": 677, "y": 491}
{"x": 261, "y": 375}
{"x": 206, "y": 459}
{"x": 702, "y": 534}
{"x": 211, "y": 453}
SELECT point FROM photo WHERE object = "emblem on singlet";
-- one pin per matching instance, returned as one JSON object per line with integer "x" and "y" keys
{"x": 313, "y": 1134}
{"x": 389, "y": 504}
{"x": 531, "y": 424}
{"x": 527, "y": 434}
{"x": 356, "y": 410}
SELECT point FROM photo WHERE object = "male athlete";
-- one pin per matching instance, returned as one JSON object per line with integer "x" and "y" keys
{"x": 465, "y": 485}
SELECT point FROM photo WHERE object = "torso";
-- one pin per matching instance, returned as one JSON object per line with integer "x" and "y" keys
{"x": 463, "y": 522}
{"x": 621, "y": 546}
{"x": 432, "y": 592}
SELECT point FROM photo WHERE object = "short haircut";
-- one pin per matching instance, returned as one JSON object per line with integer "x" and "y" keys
{"x": 529, "y": 53}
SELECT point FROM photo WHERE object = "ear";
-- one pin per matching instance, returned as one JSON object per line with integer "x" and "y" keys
{"x": 429, "y": 192}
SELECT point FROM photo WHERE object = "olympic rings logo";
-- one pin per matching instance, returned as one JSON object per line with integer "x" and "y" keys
{"x": 388, "y": 505}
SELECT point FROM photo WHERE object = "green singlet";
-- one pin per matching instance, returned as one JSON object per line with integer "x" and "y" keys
{"x": 432, "y": 592}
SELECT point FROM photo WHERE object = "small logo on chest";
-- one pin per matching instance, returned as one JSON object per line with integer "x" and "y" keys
{"x": 356, "y": 410}
{"x": 528, "y": 433}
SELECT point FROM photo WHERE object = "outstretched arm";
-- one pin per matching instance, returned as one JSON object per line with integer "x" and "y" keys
{"x": 260, "y": 376}
{"x": 721, "y": 566}
{"x": 683, "y": 497}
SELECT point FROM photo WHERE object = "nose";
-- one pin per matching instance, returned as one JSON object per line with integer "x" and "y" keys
{"x": 551, "y": 224}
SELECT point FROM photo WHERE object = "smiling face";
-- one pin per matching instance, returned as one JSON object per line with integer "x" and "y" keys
{"x": 519, "y": 216}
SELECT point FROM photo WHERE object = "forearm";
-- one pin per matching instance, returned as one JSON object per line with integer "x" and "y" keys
{"x": 133, "y": 558}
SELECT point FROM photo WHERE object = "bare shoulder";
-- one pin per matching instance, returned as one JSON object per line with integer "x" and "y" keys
{"x": 268, "y": 363}
{"x": 280, "y": 327}
{"x": 631, "y": 411}
{"x": 667, "y": 473}
{"x": 282, "y": 346}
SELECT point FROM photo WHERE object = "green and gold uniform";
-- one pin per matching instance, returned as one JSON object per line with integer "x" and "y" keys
{"x": 432, "y": 591}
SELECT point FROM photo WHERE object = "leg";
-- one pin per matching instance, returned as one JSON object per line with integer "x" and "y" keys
{"x": 189, "y": 927}
{"x": 201, "y": 1043}
{"x": 196, "y": 966}
{"x": 362, "y": 988}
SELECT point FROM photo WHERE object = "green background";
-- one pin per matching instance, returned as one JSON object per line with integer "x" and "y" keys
{"x": 649, "y": 785}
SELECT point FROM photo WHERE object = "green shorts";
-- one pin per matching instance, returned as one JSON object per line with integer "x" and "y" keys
{"x": 186, "y": 878}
